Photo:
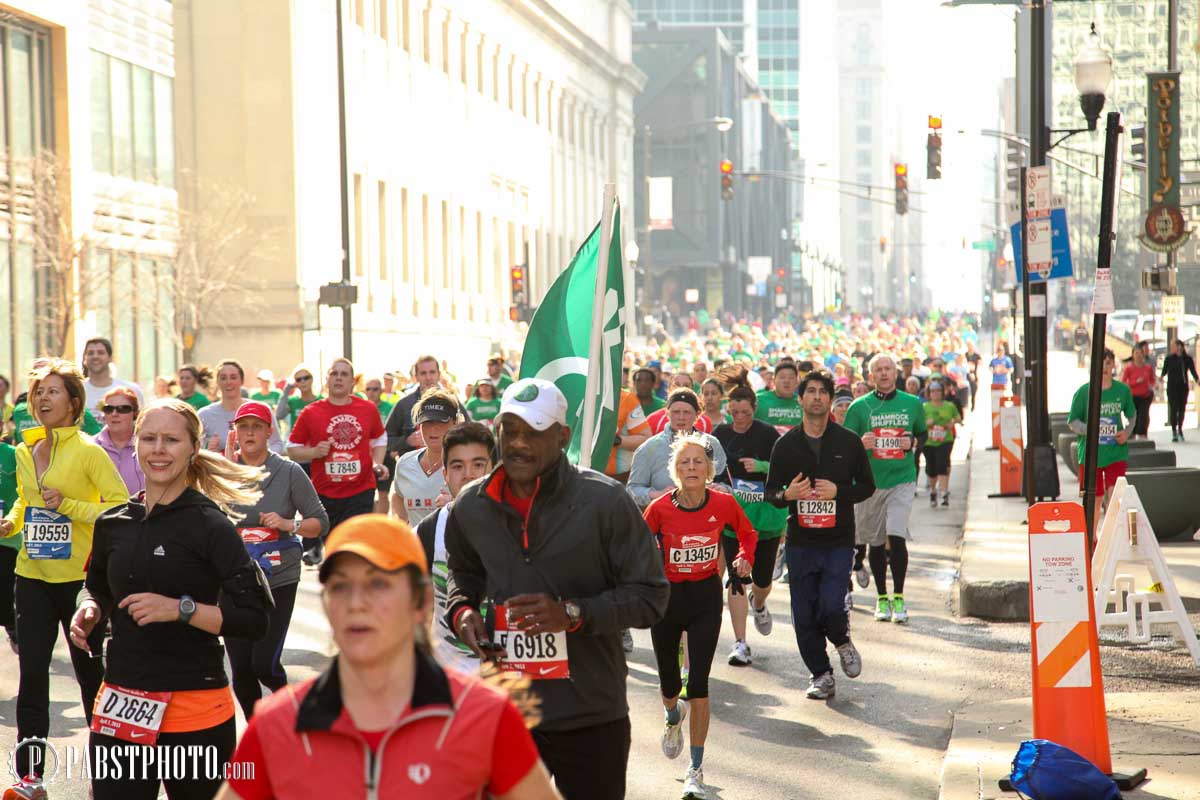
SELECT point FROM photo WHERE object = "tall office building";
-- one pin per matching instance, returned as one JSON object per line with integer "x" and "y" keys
{"x": 88, "y": 194}
{"x": 480, "y": 133}
{"x": 1135, "y": 31}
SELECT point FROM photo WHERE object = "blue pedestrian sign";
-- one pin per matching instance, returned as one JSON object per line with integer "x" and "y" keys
{"x": 1061, "y": 266}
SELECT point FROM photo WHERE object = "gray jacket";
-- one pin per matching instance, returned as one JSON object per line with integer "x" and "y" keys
{"x": 649, "y": 472}
{"x": 584, "y": 541}
{"x": 286, "y": 490}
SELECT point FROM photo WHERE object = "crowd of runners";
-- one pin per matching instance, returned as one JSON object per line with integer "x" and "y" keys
{"x": 479, "y": 587}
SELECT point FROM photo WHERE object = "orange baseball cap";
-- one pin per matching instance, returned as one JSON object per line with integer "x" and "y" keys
{"x": 387, "y": 543}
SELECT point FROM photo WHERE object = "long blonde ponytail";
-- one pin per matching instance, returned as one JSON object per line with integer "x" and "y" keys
{"x": 224, "y": 482}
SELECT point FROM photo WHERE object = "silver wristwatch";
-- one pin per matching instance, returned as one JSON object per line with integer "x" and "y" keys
{"x": 187, "y": 607}
{"x": 574, "y": 614}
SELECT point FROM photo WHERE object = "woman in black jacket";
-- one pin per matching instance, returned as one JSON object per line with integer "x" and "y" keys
{"x": 1176, "y": 368}
{"x": 171, "y": 571}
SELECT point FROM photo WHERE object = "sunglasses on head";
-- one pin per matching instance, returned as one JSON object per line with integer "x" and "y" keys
{"x": 121, "y": 409}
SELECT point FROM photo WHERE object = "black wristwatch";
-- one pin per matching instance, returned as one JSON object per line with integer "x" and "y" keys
{"x": 617, "y": 441}
{"x": 187, "y": 607}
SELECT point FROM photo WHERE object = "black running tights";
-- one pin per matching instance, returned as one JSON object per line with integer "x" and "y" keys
{"x": 897, "y": 556}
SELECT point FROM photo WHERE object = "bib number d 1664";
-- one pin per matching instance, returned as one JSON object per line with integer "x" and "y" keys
{"x": 541, "y": 656}
{"x": 130, "y": 714}
{"x": 47, "y": 534}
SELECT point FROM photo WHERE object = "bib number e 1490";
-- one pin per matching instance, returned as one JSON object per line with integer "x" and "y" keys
{"x": 47, "y": 534}
{"x": 130, "y": 714}
{"x": 342, "y": 466}
{"x": 889, "y": 443}
{"x": 541, "y": 656}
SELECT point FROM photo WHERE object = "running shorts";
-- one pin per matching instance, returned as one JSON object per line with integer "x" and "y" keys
{"x": 884, "y": 514}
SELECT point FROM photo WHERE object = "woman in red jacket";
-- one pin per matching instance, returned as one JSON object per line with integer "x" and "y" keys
{"x": 688, "y": 523}
{"x": 1139, "y": 377}
{"x": 385, "y": 720}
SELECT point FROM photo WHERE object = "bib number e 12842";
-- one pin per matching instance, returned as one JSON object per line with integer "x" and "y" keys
{"x": 541, "y": 656}
{"x": 47, "y": 534}
{"x": 814, "y": 513}
{"x": 130, "y": 714}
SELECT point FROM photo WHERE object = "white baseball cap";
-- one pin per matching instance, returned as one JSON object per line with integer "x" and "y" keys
{"x": 538, "y": 402}
{"x": 266, "y": 375}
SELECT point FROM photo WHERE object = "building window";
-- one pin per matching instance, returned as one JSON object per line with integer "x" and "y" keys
{"x": 384, "y": 224}
{"x": 358, "y": 226}
{"x": 133, "y": 121}
{"x": 445, "y": 244}
{"x": 405, "y": 241}
{"x": 425, "y": 239}
{"x": 124, "y": 337}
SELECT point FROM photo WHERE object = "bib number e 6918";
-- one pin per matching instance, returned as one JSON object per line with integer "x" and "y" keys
{"x": 542, "y": 656}
{"x": 130, "y": 714}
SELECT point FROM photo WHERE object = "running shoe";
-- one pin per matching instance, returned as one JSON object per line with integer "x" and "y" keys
{"x": 863, "y": 576}
{"x": 672, "y": 737}
{"x": 693, "y": 785}
{"x": 762, "y": 617}
{"x": 946, "y": 500}
{"x": 314, "y": 557}
{"x": 778, "y": 571}
{"x": 821, "y": 688}
{"x": 851, "y": 660}
{"x": 627, "y": 640}
{"x": 899, "y": 612}
{"x": 1181, "y": 435}
{"x": 739, "y": 655}
{"x": 849, "y": 602}
{"x": 883, "y": 609}
{"x": 933, "y": 499}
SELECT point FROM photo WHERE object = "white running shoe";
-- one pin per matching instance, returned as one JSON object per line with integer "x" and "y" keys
{"x": 849, "y": 602}
{"x": 693, "y": 785}
{"x": 739, "y": 654}
{"x": 627, "y": 640}
{"x": 672, "y": 736}
{"x": 762, "y": 617}
{"x": 821, "y": 688}
{"x": 851, "y": 660}
{"x": 863, "y": 576}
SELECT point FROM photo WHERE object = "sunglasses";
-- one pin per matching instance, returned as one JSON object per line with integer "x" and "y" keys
{"x": 303, "y": 378}
{"x": 374, "y": 389}
{"x": 122, "y": 409}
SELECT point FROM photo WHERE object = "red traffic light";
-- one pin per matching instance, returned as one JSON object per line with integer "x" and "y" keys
{"x": 726, "y": 167}
{"x": 935, "y": 123}
{"x": 778, "y": 289}
{"x": 518, "y": 273}
{"x": 901, "y": 170}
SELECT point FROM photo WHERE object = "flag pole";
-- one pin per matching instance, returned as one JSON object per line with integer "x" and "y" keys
{"x": 592, "y": 389}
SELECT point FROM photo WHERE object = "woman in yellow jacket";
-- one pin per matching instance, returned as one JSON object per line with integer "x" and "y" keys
{"x": 64, "y": 482}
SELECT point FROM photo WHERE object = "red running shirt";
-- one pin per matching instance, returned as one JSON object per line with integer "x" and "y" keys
{"x": 690, "y": 539}
{"x": 348, "y": 469}
{"x": 1140, "y": 380}
{"x": 513, "y": 755}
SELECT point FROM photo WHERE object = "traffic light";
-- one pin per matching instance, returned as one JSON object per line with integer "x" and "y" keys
{"x": 901, "y": 188}
{"x": 1137, "y": 142}
{"x": 520, "y": 303}
{"x": 882, "y": 245}
{"x": 933, "y": 157}
{"x": 726, "y": 179}
{"x": 1014, "y": 159}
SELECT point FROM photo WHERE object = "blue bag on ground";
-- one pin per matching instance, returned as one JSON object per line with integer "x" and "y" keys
{"x": 1043, "y": 770}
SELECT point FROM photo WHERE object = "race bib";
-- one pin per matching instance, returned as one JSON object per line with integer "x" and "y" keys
{"x": 696, "y": 558}
{"x": 814, "y": 513}
{"x": 130, "y": 714}
{"x": 937, "y": 433}
{"x": 889, "y": 443}
{"x": 1108, "y": 430}
{"x": 341, "y": 466}
{"x": 47, "y": 534}
{"x": 266, "y": 548}
{"x": 540, "y": 656}
{"x": 748, "y": 491}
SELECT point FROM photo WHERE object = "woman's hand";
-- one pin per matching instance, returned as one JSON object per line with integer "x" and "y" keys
{"x": 5, "y": 527}
{"x": 231, "y": 445}
{"x": 742, "y": 567}
{"x": 147, "y": 607}
{"x": 52, "y": 498}
{"x": 85, "y": 619}
{"x": 270, "y": 519}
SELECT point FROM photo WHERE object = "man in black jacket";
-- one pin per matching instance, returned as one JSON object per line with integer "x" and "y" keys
{"x": 402, "y": 431}
{"x": 819, "y": 471}
{"x": 567, "y": 562}
{"x": 1176, "y": 368}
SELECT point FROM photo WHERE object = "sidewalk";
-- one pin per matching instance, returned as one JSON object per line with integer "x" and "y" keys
{"x": 1158, "y": 729}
